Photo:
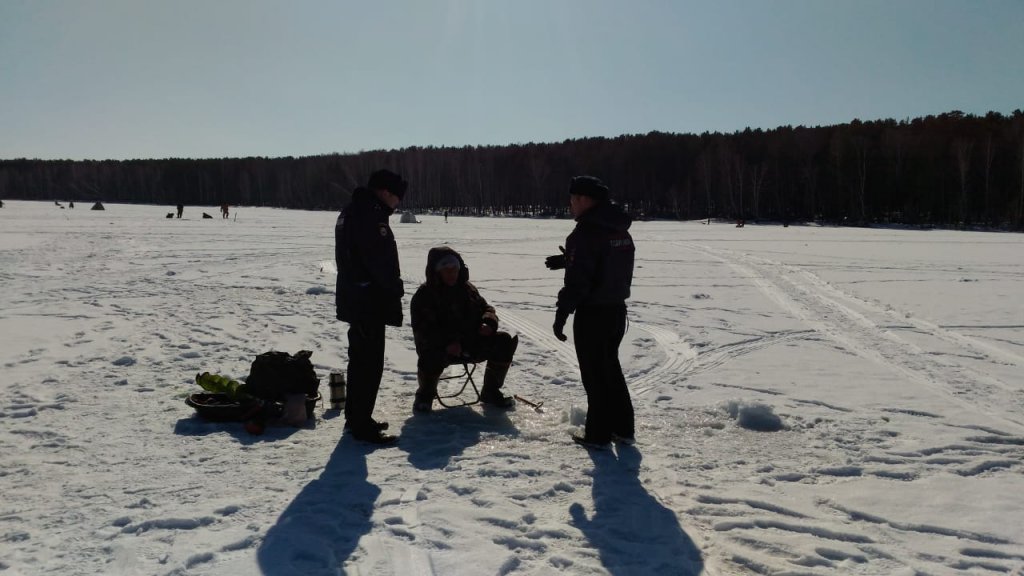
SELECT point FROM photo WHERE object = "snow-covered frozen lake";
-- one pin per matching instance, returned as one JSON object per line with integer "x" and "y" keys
{"x": 892, "y": 358}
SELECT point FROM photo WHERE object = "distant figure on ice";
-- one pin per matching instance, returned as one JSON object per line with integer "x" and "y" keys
{"x": 598, "y": 263}
{"x": 369, "y": 295}
{"x": 223, "y": 210}
{"x": 71, "y": 204}
{"x": 452, "y": 323}
{"x": 1, "y": 203}
{"x": 55, "y": 203}
{"x": 445, "y": 216}
{"x": 181, "y": 208}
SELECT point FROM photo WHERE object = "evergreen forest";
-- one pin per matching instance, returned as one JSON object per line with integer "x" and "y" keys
{"x": 950, "y": 170}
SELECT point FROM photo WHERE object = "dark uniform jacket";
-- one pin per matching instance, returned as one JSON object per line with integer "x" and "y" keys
{"x": 598, "y": 260}
{"x": 444, "y": 314}
{"x": 369, "y": 280}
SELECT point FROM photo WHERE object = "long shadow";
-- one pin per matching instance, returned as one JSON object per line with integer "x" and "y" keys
{"x": 433, "y": 439}
{"x": 630, "y": 529}
{"x": 321, "y": 528}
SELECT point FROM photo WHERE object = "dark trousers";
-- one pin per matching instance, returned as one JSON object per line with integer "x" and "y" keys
{"x": 365, "y": 368}
{"x": 597, "y": 333}
{"x": 497, "y": 347}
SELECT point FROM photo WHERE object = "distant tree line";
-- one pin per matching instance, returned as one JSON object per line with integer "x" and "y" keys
{"x": 953, "y": 169}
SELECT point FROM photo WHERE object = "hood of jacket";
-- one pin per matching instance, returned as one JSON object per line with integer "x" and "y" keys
{"x": 606, "y": 215}
{"x": 434, "y": 256}
{"x": 365, "y": 198}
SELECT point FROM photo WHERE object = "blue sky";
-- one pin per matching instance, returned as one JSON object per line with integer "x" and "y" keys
{"x": 225, "y": 78}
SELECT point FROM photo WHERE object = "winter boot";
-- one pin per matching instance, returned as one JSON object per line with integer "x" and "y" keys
{"x": 426, "y": 392}
{"x": 373, "y": 424}
{"x": 627, "y": 440}
{"x": 372, "y": 435}
{"x": 494, "y": 378}
{"x": 590, "y": 443}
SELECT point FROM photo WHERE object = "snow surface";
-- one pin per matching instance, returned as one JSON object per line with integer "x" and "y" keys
{"x": 809, "y": 401}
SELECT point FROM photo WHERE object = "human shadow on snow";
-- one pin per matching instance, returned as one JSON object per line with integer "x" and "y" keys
{"x": 630, "y": 529}
{"x": 322, "y": 526}
{"x": 433, "y": 439}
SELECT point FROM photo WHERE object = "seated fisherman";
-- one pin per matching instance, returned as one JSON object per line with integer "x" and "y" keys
{"x": 452, "y": 323}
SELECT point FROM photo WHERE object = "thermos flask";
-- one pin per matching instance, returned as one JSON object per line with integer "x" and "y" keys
{"x": 337, "y": 383}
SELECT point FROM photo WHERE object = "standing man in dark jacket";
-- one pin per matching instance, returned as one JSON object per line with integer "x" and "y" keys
{"x": 369, "y": 295}
{"x": 598, "y": 262}
{"x": 452, "y": 323}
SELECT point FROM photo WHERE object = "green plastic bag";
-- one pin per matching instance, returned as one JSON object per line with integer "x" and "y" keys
{"x": 218, "y": 384}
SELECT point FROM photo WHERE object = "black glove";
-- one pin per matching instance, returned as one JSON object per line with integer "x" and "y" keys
{"x": 559, "y": 326}
{"x": 556, "y": 262}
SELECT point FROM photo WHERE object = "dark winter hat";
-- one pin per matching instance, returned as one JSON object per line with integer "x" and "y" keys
{"x": 588, "y": 186}
{"x": 388, "y": 180}
{"x": 449, "y": 261}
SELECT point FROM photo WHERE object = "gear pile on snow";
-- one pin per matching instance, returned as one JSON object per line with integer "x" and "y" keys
{"x": 276, "y": 381}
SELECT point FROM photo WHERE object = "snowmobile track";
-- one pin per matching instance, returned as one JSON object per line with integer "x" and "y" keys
{"x": 856, "y": 325}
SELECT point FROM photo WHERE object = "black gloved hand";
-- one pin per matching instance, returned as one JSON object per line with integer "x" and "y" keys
{"x": 556, "y": 262}
{"x": 559, "y": 326}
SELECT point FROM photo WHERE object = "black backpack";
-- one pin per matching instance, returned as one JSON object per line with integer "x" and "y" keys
{"x": 274, "y": 375}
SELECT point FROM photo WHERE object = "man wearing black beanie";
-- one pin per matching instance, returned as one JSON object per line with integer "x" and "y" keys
{"x": 598, "y": 263}
{"x": 369, "y": 295}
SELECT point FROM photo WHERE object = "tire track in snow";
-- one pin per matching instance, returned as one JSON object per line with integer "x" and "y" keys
{"x": 541, "y": 336}
{"x": 710, "y": 359}
{"x": 683, "y": 359}
{"x": 403, "y": 557}
{"x": 680, "y": 360}
{"x": 826, "y": 310}
{"x": 972, "y": 345}
{"x": 681, "y": 356}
